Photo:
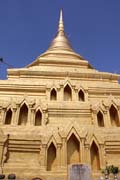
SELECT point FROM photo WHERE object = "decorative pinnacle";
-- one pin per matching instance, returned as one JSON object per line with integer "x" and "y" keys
{"x": 61, "y": 24}
{"x": 60, "y": 41}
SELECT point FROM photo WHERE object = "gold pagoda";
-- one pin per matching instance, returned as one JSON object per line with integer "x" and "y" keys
{"x": 58, "y": 111}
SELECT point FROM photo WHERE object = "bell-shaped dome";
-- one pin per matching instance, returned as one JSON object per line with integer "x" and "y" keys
{"x": 60, "y": 45}
{"x": 60, "y": 50}
{"x": 60, "y": 41}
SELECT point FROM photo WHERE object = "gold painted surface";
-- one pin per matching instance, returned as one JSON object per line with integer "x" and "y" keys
{"x": 49, "y": 115}
{"x": 60, "y": 41}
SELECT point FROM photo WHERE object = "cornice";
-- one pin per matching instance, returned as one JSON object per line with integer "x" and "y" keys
{"x": 86, "y": 74}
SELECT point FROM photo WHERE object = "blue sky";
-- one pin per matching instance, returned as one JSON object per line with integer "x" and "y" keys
{"x": 28, "y": 26}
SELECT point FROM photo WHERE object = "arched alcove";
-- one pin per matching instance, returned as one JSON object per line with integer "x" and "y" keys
{"x": 8, "y": 117}
{"x": 73, "y": 150}
{"x": 38, "y": 118}
{"x": 95, "y": 159}
{"x": 23, "y": 115}
{"x": 53, "y": 95}
{"x": 51, "y": 157}
{"x": 81, "y": 96}
{"x": 114, "y": 116}
{"x": 100, "y": 119}
{"x": 67, "y": 93}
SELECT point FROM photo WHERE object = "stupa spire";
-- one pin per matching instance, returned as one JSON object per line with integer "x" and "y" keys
{"x": 60, "y": 41}
{"x": 61, "y": 24}
{"x": 60, "y": 47}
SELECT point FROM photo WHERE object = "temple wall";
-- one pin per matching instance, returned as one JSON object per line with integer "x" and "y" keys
{"x": 55, "y": 121}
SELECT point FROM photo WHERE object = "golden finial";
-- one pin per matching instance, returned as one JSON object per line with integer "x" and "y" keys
{"x": 61, "y": 24}
{"x": 60, "y": 45}
{"x": 60, "y": 42}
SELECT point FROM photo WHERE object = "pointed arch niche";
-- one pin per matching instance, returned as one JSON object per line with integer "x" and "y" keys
{"x": 100, "y": 119}
{"x": 95, "y": 159}
{"x": 114, "y": 118}
{"x": 23, "y": 115}
{"x": 53, "y": 95}
{"x": 73, "y": 150}
{"x": 67, "y": 93}
{"x": 8, "y": 117}
{"x": 51, "y": 157}
{"x": 81, "y": 95}
{"x": 38, "y": 118}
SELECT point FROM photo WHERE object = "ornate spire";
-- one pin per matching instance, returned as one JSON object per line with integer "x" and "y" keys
{"x": 60, "y": 48}
{"x": 61, "y": 24}
{"x": 60, "y": 42}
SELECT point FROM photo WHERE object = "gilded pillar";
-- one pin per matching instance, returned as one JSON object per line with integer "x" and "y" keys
{"x": 87, "y": 154}
{"x": 59, "y": 94}
{"x": 3, "y": 113}
{"x": 3, "y": 150}
{"x": 14, "y": 118}
{"x": 107, "y": 118}
{"x": 82, "y": 150}
{"x": 94, "y": 118}
{"x": 32, "y": 118}
{"x": 64, "y": 153}
{"x": 1, "y": 156}
{"x": 119, "y": 114}
{"x": 59, "y": 155}
{"x": 45, "y": 118}
{"x": 48, "y": 90}
{"x": 17, "y": 113}
{"x": 74, "y": 94}
{"x": 86, "y": 95}
{"x": 29, "y": 115}
{"x": 102, "y": 156}
{"x": 1, "y": 116}
{"x": 43, "y": 157}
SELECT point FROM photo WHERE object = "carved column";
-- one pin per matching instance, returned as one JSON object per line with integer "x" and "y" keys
{"x": 45, "y": 118}
{"x": 32, "y": 118}
{"x": 29, "y": 115}
{"x": 1, "y": 116}
{"x": 119, "y": 114}
{"x": 102, "y": 156}
{"x": 61, "y": 93}
{"x": 3, "y": 150}
{"x": 59, "y": 156}
{"x": 76, "y": 94}
{"x": 43, "y": 157}
{"x": 17, "y": 113}
{"x": 86, "y": 95}
{"x": 107, "y": 118}
{"x": 94, "y": 117}
{"x": 1, "y": 155}
{"x": 73, "y": 93}
{"x": 64, "y": 153}
{"x": 87, "y": 154}
{"x": 82, "y": 150}
{"x": 48, "y": 90}
{"x": 14, "y": 118}
{"x": 58, "y": 94}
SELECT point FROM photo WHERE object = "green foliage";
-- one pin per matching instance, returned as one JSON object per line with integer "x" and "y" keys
{"x": 110, "y": 169}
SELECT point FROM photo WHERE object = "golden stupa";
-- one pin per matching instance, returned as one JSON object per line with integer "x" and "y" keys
{"x": 58, "y": 111}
